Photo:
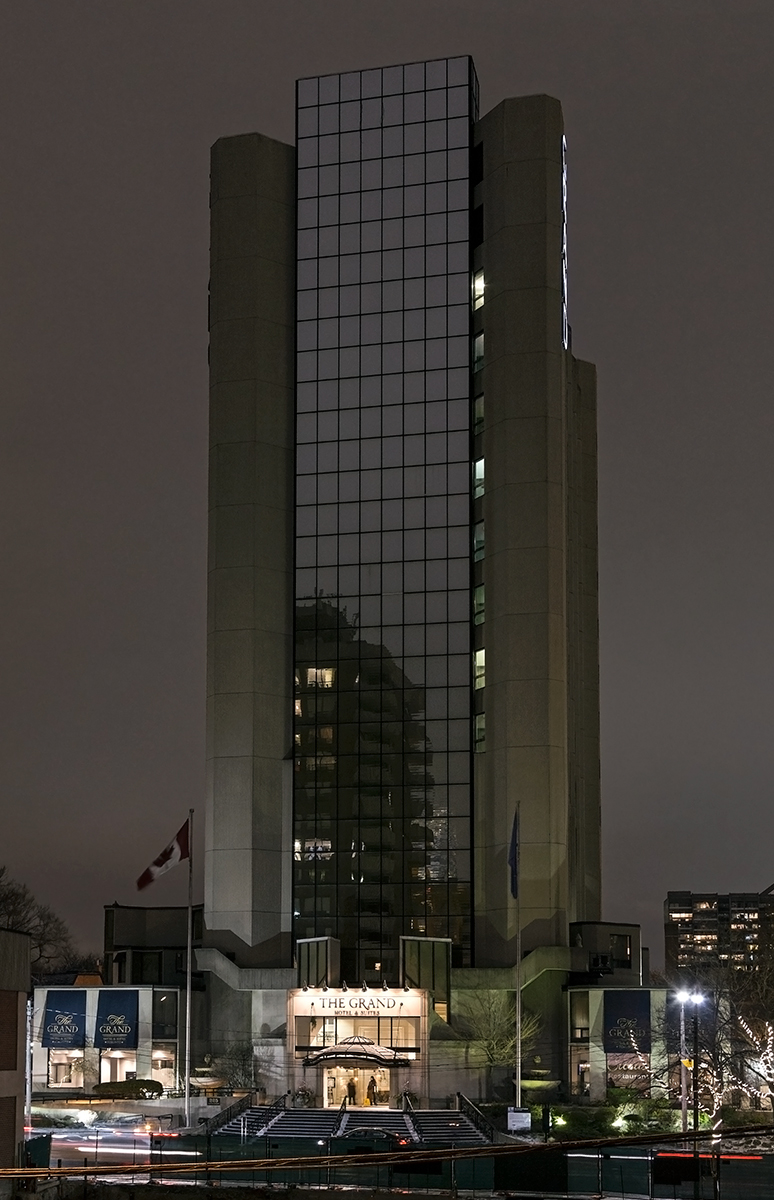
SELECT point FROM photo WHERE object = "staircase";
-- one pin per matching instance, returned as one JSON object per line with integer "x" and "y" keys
{"x": 446, "y": 1127}
{"x": 391, "y": 1119}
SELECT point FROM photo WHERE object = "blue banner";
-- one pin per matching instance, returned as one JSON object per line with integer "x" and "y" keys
{"x": 627, "y": 1022}
{"x": 116, "y": 1027}
{"x": 64, "y": 1021}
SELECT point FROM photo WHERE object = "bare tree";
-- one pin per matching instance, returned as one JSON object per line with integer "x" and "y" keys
{"x": 21, "y": 912}
{"x": 488, "y": 1018}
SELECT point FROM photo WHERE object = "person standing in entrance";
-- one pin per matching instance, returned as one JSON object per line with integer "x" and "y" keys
{"x": 351, "y": 1090}
{"x": 371, "y": 1090}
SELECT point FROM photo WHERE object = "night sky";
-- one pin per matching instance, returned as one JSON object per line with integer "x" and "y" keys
{"x": 108, "y": 112}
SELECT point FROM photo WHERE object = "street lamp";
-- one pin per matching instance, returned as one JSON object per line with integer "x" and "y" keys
{"x": 694, "y": 998}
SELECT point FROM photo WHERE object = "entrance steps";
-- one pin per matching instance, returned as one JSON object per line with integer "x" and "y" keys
{"x": 430, "y": 1127}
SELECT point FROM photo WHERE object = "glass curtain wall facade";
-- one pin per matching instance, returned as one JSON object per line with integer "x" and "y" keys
{"x": 382, "y": 792}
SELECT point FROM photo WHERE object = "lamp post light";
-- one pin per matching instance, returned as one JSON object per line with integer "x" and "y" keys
{"x": 694, "y": 998}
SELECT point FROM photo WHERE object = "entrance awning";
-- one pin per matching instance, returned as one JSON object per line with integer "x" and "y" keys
{"x": 357, "y": 1049}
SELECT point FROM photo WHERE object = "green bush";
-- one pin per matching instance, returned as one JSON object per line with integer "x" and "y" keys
{"x": 129, "y": 1089}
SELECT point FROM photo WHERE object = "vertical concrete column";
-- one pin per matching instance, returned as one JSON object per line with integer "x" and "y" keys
{"x": 527, "y": 445}
{"x": 248, "y": 856}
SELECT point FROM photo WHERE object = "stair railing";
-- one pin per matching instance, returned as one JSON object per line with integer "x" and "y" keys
{"x": 476, "y": 1118}
{"x": 340, "y": 1118}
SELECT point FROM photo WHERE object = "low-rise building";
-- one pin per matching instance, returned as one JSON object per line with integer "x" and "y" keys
{"x": 14, "y": 990}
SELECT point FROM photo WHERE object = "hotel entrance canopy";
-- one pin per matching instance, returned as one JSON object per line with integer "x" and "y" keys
{"x": 357, "y": 1049}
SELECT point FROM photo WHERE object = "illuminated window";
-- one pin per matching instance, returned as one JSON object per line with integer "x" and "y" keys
{"x": 478, "y": 289}
{"x": 478, "y": 352}
{"x": 320, "y": 677}
{"x": 478, "y": 478}
{"x": 478, "y": 604}
{"x": 479, "y": 668}
{"x": 478, "y": 414}
{"x": 479, "y": 731}
{"x": 478, "y": 541}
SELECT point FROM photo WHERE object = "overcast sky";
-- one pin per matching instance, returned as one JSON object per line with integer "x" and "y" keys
{"x": 108, "y": 112}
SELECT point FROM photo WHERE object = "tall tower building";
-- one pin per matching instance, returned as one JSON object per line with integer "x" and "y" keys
{"x": 403, "y": 735}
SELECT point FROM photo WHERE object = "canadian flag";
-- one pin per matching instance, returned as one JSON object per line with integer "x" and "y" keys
{"x": 178, "y": 849}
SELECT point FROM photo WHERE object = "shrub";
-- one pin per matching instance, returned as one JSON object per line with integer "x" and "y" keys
{"x": 129, "y": 1089}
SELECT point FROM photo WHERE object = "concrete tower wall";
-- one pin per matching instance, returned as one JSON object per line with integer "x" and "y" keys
{"x": 248, "y": 857}
{"x": 539, "y": 568}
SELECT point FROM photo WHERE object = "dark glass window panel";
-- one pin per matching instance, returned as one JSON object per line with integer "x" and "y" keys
{"x": 371, "y": 206}
{"x": 435, "y": 290}
{"x": 392, "y": 234}
{"x": 413, "y": 139}
{"x": 437, "y": 542}
{"x": 392, "y": 172}
{"x": 435, "y": 104}
{"x": 306, "y": 366}
{"x": 413, "y": 77}
{"x": 414, "y": 609}
{"x": 457, "y": 194}
{"x": 414, "y": 172}
{"x": 458, "y": 383}
{"x": 307, "y": 213}
{"x": 349, "y": 455}
{"x": 392, "y": 578}
{"x": 371, "y": 83}
{"x": 328, "y": 332}
{"x": 370, "y": 267}
{"x": 392, "y": 326}
{"x": 392, "y": 609}
{"x": 370, "y": 454}
{"x": 435, "y": 448}
{"x": 327, "y": 395}
{"x": 306, "y": 305}
{"x": 414, "y": 356}
{"x": 370, "y": 360}
{"x": 329, "y": 149}
{"x": 308, "y": 152}
{"x": 371, "y": 236}
{"x": 329, "y": 118}
{"x": 435, "y": 387}
{"x": 370, "y": 579}
{"x": 392, "y": 295}
{"x": 327, "y": 489}
{"x": 349, "y": 331}
{"x": 435, "y": 73}
{"x": 392, "y": 389}
{"x": 436, "y": 228}
{"x": 349, "y": 393}
{"x": 349, "y": 202}
{"x": 414, "y": 577}
{"x": 306, "y": 551}
{"x": 414, "y": 107}
{"x": 392, "y": 421}
{"x": 370, "y": 393}
{"x": 392, "y": 110}
{"x": 306, "y": 397}
{"x": 392, "y": 148}
{"x": 307, "y": 92}
{"x": 371, "y": 114}
{"x": 458, "y": 288}
{"x": 348, "y": 548}
{"x": 347, "y": 300}
{"x": 349, "y": 238}
{"x": 435, "y": 322}
{"x": 329, "y": 89}
{"x": 435, "y": 135}
{"x": 328, "y": 456}
{"x": 349, "y": 116}
{"x": 370, "y": 515}
{"x": 328, "y": 180}
{"x": 458, "y": 102}
{"x": 413, "y": 200}
{"x": 349, "y": 269}
{"x": 414, "y": 261}
{"x": 458, "y": 255}
{"x": 414, "y": 543}
{"x": 349, "y": 518}
{"x": 457, "y": 351}
{"x": 328, "y": 210}
{"x": 459, "y": 705}
{"x": 392, "y": 546}
{"x": 327, "y": 519}
{"x": 349, "y": 152}
{"x": 371, "y": 174}
{"x": 457, "y": 168}
{"x": 414, "y": 324}
{"x": 459, "y": 70}
{"x": 392, "y": 80}
{"x": 349, "y": 84}
{"x": 459, "y": 320}
{"x": 328, "y": 272}
{"x": 370, "y": 329}
{"x": 436, "y": 634}
{"x": 414, "y": 231}
{"x": 306, "y": 581}
{"x": 370, "y": 548}
{"x": 436, "y": 259}
{"x": 458, "y": 477}
{"x": 306, "y": 274}
{"x": 328, "y": 301}
{"x": 457, "y": 132}
{"x": 414, "y": 293}
{"x": 306, "y": 335}
{"x": 458, "y": 415}
{"x": 306, "y": 521}
{"x": 414, "y": 514}
{"x": 370, "y": 485}
{"x": 307, "y": 122}
{"x": 392, "y": 452}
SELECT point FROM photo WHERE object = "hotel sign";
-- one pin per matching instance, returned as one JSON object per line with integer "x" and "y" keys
{"x": 335, "y": 1002}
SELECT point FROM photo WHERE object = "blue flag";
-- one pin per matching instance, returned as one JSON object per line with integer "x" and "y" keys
{"x": 513, "y": 856}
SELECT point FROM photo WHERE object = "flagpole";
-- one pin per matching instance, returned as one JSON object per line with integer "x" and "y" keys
{"x": 189, "y": 956}
{"x": 517, "y": 1072}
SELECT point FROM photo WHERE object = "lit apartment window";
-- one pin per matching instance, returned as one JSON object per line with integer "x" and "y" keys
{"x": 479, "y": 731}
{"x": 479, "y": 600}
{"x": 478, "y": 352}
{"x": 320, "y": 677}
{"x": 478, "y": 478}
{"x": 478, "y": 414}
{"x": 478, "y": 289}
{"x": 479, "y": 668}
{"x": 478, "y": 541}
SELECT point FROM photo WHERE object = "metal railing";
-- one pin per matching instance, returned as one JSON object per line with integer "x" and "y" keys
{"x": 476, "y": 1118}
{"x": 213, "y": 1124}
{"x": 339, "y": 1118}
